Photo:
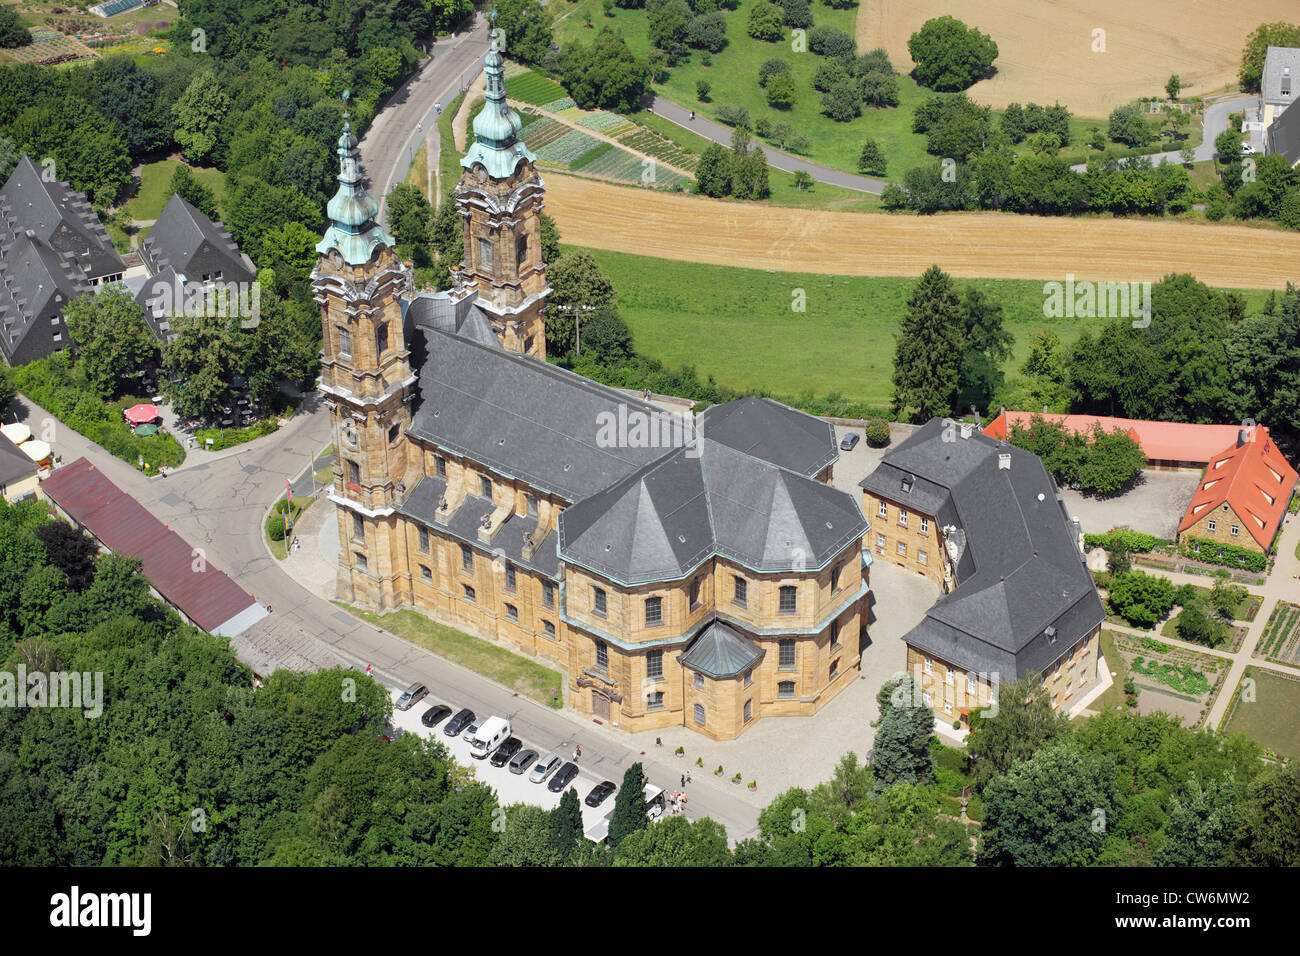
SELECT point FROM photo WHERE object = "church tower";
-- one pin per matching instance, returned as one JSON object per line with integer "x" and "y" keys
{"x": 366, "y": 377}
{"x": 500, "y": 200}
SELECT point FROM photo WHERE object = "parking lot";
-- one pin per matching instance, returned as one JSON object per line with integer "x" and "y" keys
{"x": 511, "y": 788}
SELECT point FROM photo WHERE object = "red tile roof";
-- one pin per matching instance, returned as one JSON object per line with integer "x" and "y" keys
{"x": 1162, "y": 441}
{"x": 1254, "y": 479}
{"x": 208, "y": 597}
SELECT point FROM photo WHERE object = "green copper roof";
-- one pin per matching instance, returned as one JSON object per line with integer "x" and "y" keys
{"x": 352, "y": 230}
{"x": 496, "y": 128}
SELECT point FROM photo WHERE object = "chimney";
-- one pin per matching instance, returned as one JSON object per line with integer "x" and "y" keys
{"x": 1004, "y": 462}
{"x": 966, "y": 429}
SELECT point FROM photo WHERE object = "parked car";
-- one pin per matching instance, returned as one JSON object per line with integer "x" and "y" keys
{"x": 412, "y": 696}
{"x": 600, "y": 793}
{"x": 563, "y": 777}
{"x": 544, "y": 767}
{"x": 1247, "y": 148}
{"x": 435, "y": 715}
{"x": 471, "y": 730}
{"x": 503, "y": 753}
{"x": 519, "y": 763}
{"x": 464, "y": 717}
{"x": 488, "y": 736}
{"x": 849, "y": 442}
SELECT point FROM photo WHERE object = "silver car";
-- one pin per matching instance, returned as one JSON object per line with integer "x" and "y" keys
{"x": 544, "y": 768}
{"x": 471, "y": 730}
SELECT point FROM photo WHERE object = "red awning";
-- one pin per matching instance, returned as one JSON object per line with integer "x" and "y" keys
{"x": 139, "y": 414}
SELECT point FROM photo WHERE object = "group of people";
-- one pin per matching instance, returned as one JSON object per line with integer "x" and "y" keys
{"x": 679, "y": 802}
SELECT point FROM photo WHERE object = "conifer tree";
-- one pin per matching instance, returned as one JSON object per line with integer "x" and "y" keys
{"x": 927, "y": 353}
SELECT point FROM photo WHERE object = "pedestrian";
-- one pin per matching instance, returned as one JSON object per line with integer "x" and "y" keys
{"x": 683, "y": 780}
{"x": 367, "y": 670}
{"x": 692, "y": 115}
{"x": 688, "y": 776}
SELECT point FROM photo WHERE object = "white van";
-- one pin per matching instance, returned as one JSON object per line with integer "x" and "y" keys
{"x": 491, "y": 734}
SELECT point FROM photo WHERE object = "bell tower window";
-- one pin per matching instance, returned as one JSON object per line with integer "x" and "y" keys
{"x": 345, "y": 341}
{"x": 521, "y": 251}
{"x": 381, "y": 339}
{"x": 485, "y": 254}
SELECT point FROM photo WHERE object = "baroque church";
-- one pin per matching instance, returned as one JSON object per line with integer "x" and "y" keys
{"x": 709, "y": 583}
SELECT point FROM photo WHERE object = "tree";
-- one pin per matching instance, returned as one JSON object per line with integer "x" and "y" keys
{"x": 702, "y": 88}
{"x": 12, "y": 32}
{"x": 825, "y": 40}
{"x": 202, "y": 358}
{"x": 606, "y": 74}
{"x": 1252, "y": 55}
{"x": 70, "y": 550}
{"x": 577, "y": 282}
{"x": 290, "y": 249}
{"x": 199, "y": 196}
{"x": 802, "y": 180}
{"x": 674, "y": 842}
{"x": 409, "y": 214}
{"x": 771, "y": 67}
{"x": 8, "y": 390}
{"x": 629, "y": 807}
{"x": 667, "y": 22}
{"x": 1269, "y": 831}
{"x": 707, "y": 31}
{"x": 607, "y": 337}
{"x": 927, "y": 349}
{"x": 526, "y": 25}
{"x": 949, "y": 56}
{"x": 550, "y": 234}
{"x": 781, "y": 91}
{"x": 527, "y": 839}
{"x": 566, "y": 824}
{"x": 872, "y": 159}
{"x": 1013, "y": 122}
{"x": 1127, "y": 125}
{"x": 1025, "y": 722}
{"x": 987, "y": 344}
{"x": 113, "y": 343}
{"x": 901, "y": 750}
{"x": 1203, "y": 824}
{"x": 878, "y": 89}
{"x": 1141, "y": 599}
{"x": 199, "y": 114}
{"x": 797, "y": 13}
{"x": 1049, "y": 810}
{"x": 766, "y": 22}
{"x": 1173, "y": 85}
{"x": 1114, "y": 459}
{"x": 89, "y": 152}
{"x": 842, "y": 103}
{"x": 713, "y": 172}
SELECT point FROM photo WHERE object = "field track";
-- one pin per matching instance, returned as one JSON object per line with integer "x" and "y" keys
{"x": 1045, "y": 49}
{"x": 967, "y": 245}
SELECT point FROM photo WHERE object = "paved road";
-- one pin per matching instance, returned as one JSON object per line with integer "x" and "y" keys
{"x": 220, "y": 506}
{"x": 783, "y": 161}
{"x": 1215, "y": 122}
{"x": 393, "y": 138}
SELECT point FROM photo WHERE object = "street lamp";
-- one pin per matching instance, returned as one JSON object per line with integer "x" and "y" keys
{"x": 577, "y": 321}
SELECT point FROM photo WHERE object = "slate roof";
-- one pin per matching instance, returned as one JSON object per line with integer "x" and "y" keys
{"x": 421, "y": 503}
{"x": 1283, "y": 136}
{"x": 462, "y": 316}
{"x": 773, "y": 432}
{"x": 208, "y": 598}
{"x": 720, "y": 651}
{"x": 36, "y": 283}
{"x": 520, "y": 417}
{"x": 14, "y": 465}
{"x": 1276, "y": 60}
{"x": 193, "y": 245}
{"x": 1254, "y": 478}
{"x": 60, "y": 217}
{"x": 1019, "y": 571}
{"x": 660, "y": 522}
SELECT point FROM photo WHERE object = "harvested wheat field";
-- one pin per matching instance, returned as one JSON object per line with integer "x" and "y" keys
{"x": 1045, "y": 48}
{"x": 967, "y": 245}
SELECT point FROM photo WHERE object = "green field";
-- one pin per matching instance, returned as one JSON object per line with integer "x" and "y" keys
{"x": 483, "y": 657}
{"x": 733, "y": 75}
{"x": 155, "y": 183}
{"x": 738, "y": 324}
{"x": 534, "y": 88}
{"x": 1270, "y": 718}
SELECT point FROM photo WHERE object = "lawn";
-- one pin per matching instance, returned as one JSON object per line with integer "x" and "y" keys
{"x": 418, "y": 174}
{"x": 738, "y": 325}
{"x": 507, "y": 668}
{"x": 155, "y": 188}
{"x": 733, "y": 76}
{"x": 279, "y": 548}
{"x": 1113, "y": 696}
{"x": 1270, "y": 718}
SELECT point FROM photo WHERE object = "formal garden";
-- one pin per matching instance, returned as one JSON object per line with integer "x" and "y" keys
{"x": 1280, "y": 641}
{"x": 1160, "y": 676}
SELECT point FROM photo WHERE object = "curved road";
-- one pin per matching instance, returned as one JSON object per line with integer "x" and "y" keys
{"x": 1215, "y": 122}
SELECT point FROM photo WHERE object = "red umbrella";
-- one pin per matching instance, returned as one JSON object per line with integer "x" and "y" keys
{"x": 139, "y": 414}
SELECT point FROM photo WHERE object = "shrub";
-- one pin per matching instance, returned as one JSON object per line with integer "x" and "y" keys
{"x": 828, "y": 74}
{"x": 770, "y": 68}
{"x": 766, "y": 22}
{"x": 1134, "y": 541}
{"x": 1212, "y": 552}
{"x": 797, "y": 13}
{"x": 842, "y": 103}
{"x": 702, "y": 88}
{"x": 734, "y": 116}
{"x": 828, "y": 41}
{"x": 781, "y": 91}
{"x": 872, "y": 161}
{"x": 708, "y": 31}
{"x": 1141, "y": 599}
{"x": 877, "y": 432}
{"x": 275, "y": 527}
